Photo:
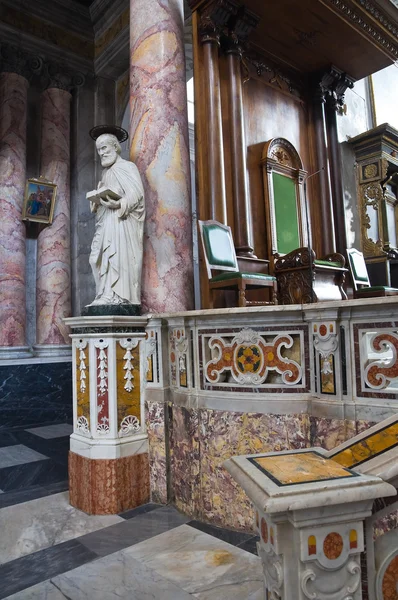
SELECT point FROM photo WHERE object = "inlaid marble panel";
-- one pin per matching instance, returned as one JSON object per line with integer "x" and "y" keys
{"x": 155, "y": 418}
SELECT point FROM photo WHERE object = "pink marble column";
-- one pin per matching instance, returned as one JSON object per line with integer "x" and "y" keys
{"x": 13, "y": 111}
{"x": 53, "y": 290}
{"x": 159, "y": 147}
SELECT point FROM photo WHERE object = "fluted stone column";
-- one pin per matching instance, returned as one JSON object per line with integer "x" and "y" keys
{"x": 16, "y": 68}
{"x": 159, "y": 147}
{"x": 53, "y": 289}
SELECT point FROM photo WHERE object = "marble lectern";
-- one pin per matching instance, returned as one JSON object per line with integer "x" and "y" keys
{"x": 309, "y": 516}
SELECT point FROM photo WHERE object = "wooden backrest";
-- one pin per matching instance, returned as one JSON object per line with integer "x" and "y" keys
{"x": 218, "y": 247}
{"x": 357, "y": 266}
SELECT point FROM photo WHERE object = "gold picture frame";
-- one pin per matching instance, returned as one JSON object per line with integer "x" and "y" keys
{"x": 39, "y": 200}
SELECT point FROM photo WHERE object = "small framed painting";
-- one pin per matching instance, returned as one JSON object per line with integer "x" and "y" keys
{"x": 39, "y": 201}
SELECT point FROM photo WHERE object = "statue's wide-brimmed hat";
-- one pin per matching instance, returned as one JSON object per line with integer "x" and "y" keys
{"x": 119, "y": 132}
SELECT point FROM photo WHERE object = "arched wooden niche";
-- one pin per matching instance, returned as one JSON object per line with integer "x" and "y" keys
{"x": 285, "y": 204}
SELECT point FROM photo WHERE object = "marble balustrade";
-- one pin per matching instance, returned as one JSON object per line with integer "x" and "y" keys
{"x": 239, "y": 381}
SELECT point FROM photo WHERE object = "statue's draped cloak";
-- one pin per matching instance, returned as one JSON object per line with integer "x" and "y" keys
{"x": 117, "y": 248}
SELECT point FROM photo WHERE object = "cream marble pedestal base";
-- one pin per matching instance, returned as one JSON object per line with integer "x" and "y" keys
{"x": 108, "y": 460}
{"x": 309, "y": 513}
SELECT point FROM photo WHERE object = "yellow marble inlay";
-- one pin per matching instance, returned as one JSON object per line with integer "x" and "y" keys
{"x": 289, "y": 469}
{"x": 128, "y": 402}
{"x": 368, "y": 447}
{"x": 82, "y": 383}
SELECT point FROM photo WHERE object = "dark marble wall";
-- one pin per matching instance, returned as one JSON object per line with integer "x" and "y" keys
{"x": 35, "y": 394}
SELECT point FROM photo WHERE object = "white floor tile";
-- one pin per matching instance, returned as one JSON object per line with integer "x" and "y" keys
{"x": 49, "y": 432}
{"x": 10, "y": 456}
{"x": 41, "y": 523}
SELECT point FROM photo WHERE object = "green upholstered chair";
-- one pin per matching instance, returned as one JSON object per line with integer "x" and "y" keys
{"x": 219, "y": 254}
{"x": 360, "y": 278}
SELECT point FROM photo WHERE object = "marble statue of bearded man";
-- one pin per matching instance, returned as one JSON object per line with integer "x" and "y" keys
{"x": 117, "y": 247}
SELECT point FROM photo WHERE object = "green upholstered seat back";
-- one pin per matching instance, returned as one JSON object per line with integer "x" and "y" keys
{"x": 219, "y": 247}
{"x": 358, "y": 267}
{"x": 286, "y": 217}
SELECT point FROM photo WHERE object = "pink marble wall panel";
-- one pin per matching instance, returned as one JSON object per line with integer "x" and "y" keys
{"x": 159, "y": 147}
{"x": 53, "y": 253}
{"x": 329, "y": 433}
{"x": 157, "y": 451}
{"x": 13, "y": 108}
{"x": 185, "y": 459}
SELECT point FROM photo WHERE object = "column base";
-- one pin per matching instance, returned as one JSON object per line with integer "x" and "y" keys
{"x": 52, "y": 350}
{"x": 13, "y": 352}
{"x": 108, "y": 486}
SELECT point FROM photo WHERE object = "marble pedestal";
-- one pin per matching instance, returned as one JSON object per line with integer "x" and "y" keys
{"x": 309, "y": 515}
{"x": 108, "y": 460}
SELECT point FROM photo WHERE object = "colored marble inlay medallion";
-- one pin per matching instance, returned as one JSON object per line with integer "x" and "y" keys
{"x": 333, "y": 546}
{"x": 249, "y": 359}
{"x": 306, "y": 467}
{"x": 128, "y": 381}
{"x": 368, "y": 447}
{"x": 390, "y": 581}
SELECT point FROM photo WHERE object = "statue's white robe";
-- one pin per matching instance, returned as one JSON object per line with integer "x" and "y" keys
{"x": 117, "y": 248}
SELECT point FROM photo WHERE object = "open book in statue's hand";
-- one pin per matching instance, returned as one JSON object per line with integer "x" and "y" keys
{"x": 102, "y": 192}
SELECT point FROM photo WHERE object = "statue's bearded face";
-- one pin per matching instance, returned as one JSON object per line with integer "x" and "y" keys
{"x": 106, "y": 149}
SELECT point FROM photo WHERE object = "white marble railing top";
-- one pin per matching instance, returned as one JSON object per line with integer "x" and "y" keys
{"x": 277, "y": 497}
{"x": 356, "y": 304}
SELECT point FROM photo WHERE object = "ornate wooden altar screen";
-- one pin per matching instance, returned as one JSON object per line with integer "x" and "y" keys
{"x": 376, "y": 152}
{"x": 301, "y": 277}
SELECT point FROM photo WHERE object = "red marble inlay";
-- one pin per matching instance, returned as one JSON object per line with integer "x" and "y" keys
{"x": 323, "y": 330}
{"x": 264, "y": 531}
{"x": 390, "y": 581}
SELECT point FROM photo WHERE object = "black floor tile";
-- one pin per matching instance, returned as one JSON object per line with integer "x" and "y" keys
{"x": 250, "y": 545}
{"x": 140, "y": 510}
{"x": 132, "y": 531}
{"x": 32, "y": 493}
{"x": 26, "y": 571}
{"x": 226, "y": 535}
{"x": 41, "y": 472}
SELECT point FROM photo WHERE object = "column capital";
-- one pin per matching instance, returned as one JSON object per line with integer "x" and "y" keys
{"x": 15, "y": 60}
{"x": 228, "y": 20}
{"x": 59, "y": 76}
{"x": 330, "y": 87}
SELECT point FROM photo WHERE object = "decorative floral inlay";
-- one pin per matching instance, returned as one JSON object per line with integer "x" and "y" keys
{"x": 102, "y": 387}
{"x": 128, "y": 366}
{"x": 377, "y": 374}
{"x": 370, "y": 171}
{"x": 250, "y": 358}
{"x": 333, "y": 546}
{"x": 130, "y": 424}
{"x": 82, "y": 365}
{"x": 82, "y": 425}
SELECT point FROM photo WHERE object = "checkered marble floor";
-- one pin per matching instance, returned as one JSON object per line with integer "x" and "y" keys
{"x": 33, "y": 458}
{"x": 50, "y": 550}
